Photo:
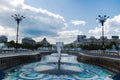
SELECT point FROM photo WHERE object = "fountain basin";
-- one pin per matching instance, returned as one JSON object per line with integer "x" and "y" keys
{"x": 47, "y": 69}
{"x": 33, "y": 72}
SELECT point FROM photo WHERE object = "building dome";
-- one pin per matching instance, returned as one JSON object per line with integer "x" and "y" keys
{"x": 28, "y": 40}
{"x": 3, "y": 39}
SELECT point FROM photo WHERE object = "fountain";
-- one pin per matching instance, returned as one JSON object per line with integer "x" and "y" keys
{"x": 58, "y": 66}
{"x": 59, "y": 46}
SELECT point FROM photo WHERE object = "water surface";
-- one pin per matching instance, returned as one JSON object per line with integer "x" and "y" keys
{"x": 47, "y": 70}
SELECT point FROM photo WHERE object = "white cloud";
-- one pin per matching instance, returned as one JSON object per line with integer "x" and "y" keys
{"x": 68, "y": 36}
{"x": 111, "y": 27}
{"x": 38, "y": 21}
{"x": 96, "y": 30}
{"x": 7, "y": 31}
{"x": 63, "y": 36}
{"x": 78, "y": 22}
{"x": 16, "y": 2}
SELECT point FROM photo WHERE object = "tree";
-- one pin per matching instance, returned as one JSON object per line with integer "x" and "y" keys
{"x": 37, "y": 45}
{"x": 27, "y": 46}
{"x": 11, "y": 44}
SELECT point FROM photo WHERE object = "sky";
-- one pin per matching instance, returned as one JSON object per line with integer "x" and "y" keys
{"x": 59, "y": 20}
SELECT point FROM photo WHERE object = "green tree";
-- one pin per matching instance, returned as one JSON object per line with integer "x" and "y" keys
{"x": 37, "y": 45}
{"x": 27, "y": 46}
{"x": 11, "y": 44}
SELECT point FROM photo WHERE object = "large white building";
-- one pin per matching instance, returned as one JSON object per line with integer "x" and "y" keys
{"x": 82, "y": 40}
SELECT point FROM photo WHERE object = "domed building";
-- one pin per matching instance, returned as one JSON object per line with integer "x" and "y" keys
{"x": 3, "y": 39}
{"x": 28, "y": 40}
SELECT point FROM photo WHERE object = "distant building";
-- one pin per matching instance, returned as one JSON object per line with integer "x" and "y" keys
{"x": 115, "y": 39}
{"x": 3, "y": 39}
{"x": 93, "y": 40}
{"x": 44, "y": 42}
{"x": 80, "y": 39}
{"x": 28, "y": 40}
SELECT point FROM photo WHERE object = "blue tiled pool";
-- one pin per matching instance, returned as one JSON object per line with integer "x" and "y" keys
{"x": 41, "y": 71}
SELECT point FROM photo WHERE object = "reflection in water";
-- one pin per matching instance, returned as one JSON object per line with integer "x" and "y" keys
{"x": 47, "y": 70}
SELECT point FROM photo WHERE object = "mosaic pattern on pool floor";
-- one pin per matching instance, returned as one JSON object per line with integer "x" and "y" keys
{"x": 33, "y": 71}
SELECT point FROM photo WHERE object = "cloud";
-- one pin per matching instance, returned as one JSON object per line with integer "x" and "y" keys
{"x": 66, "y": 36}
{"x": 111, "y": 27}
{"x": 38, "y": 21}
{"x": 69, "y": 34}
{"x": 7, "y": 31}
{"x": 77, "y": 22}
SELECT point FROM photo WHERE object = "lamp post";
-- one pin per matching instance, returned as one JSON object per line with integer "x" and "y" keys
{"x": 102, "y": 20}
{"x": 18, "y": 19}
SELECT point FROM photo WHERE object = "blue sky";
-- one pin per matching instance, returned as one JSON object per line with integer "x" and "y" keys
{"x": 60, "y": 20}
{"x": 78, "y": 9}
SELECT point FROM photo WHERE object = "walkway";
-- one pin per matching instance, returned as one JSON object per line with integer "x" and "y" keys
{"x": 19, "y": 54}
{"x": 116, "y": 57}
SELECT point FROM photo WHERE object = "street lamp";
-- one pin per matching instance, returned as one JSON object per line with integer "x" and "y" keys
{"x": 102, "y": 20}
{"x": 18, "y": 19}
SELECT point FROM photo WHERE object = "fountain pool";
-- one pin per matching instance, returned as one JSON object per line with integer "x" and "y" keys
{"x": 47, "y": 70}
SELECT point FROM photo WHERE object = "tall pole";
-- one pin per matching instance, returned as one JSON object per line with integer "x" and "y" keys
{"x": 17, "y": 35}
{"x": 103, "y": 46}
{"x": 18, "y": 19}
{"x": 102, "y": 20}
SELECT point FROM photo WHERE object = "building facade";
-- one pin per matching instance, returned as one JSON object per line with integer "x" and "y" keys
{"x": 28, "y": 40}
{"x": 44, "y": 42}
{"x": 3, "y": 39}
{"x": 82, "y": 40}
